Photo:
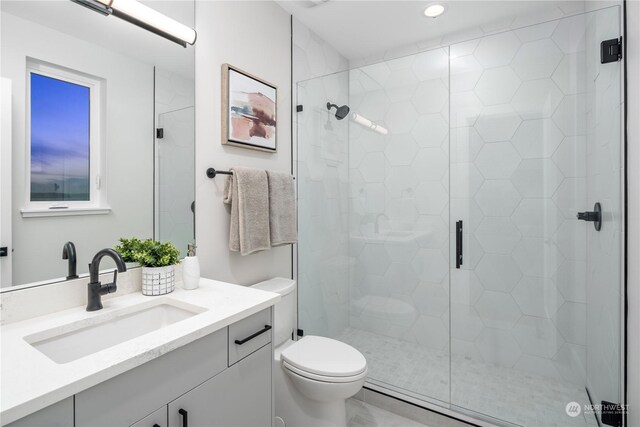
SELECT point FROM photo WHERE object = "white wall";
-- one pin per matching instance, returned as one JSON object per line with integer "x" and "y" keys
{"x": 633, "y": 221}
{"x": 313, "y": 56}
{"x": 129, "y": 148}
{"x": 255, "y": 37}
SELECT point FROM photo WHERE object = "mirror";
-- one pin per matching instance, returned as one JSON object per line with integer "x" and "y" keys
{"x": 97, "y": 135}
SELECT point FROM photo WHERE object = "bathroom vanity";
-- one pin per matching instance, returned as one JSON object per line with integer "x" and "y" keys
{"x": 198, "y": 357}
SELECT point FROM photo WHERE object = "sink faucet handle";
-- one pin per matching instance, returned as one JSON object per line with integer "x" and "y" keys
{"x": 112, "y": 287}
{"x": 94, "y": 289}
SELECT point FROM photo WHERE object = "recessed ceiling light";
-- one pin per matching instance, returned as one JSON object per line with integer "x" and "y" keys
{"x": 434, "y": 10}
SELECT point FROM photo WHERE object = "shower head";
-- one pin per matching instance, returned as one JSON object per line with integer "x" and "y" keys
{"x": 341, "y": 112}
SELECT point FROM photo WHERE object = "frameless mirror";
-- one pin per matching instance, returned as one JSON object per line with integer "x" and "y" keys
{"x": 97, "y": 136}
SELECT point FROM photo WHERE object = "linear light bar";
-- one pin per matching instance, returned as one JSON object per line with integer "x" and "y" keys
{"x": 362, "y": 121}
{"x": 145, "y": 17}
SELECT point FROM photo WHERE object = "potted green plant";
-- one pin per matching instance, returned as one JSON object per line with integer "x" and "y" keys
{"x": 158, "y": 261}
{"x": 126, "y": 249}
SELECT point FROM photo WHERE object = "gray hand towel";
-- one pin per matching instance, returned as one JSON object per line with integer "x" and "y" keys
{"x": 247, "y": 191}
{"x": 282, "y": 209}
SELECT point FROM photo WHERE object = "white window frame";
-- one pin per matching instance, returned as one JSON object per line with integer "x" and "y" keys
{"x": 97, "y": 203}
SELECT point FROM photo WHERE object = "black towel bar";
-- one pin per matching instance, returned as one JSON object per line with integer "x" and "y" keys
{"x": 211, "y": 173}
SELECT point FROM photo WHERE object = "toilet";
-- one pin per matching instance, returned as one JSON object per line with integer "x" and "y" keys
{"x": 314, "y": 376}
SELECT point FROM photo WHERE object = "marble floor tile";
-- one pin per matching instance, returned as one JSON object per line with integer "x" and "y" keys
{"x": 507, "y": 394}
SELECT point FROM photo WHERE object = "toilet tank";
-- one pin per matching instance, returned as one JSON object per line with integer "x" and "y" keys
{"x": 284, "y": 312}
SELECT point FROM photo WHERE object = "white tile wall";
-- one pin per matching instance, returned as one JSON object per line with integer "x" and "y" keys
{"x": 518, "y": 196}
{"x": 399, "y": 199}
{"x": 528, "y": 156}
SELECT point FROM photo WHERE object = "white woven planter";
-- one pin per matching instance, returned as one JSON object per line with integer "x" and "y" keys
{"x": 158, "y": 280}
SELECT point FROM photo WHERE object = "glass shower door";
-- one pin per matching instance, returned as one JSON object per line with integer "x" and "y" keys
{"x": 175, "y": 194}
{"x": 373, "y": 213}
{"x": 399, "y": 209}
{"x": 535, "y": 303}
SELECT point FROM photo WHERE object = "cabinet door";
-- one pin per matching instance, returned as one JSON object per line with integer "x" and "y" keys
{"x": 238, "y": 397}
{"x": 156, "y": 419}
{"x": 57, "y": 415}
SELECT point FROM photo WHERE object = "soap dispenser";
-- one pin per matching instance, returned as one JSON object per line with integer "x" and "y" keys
{"x": 190, "y": 268}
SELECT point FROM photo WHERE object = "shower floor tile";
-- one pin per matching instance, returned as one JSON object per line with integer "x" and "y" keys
{"x": 507, "y": 394}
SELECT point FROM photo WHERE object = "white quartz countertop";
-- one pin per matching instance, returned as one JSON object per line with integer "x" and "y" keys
{"x": 30, "y": 381}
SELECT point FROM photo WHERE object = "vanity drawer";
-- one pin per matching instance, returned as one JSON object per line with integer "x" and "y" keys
{"x": 248, "y": 335}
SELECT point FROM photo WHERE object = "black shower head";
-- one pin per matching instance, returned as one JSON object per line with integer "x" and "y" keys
{"x": 341, "y": 112}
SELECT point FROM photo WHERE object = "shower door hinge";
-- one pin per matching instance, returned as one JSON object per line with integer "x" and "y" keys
{"x": 299, "y": 108}
{"x": 611, "y": 50}
{"x": 611, "y": 413}
{"x": 300, "y": 333}
{"x": 160, "y": 133}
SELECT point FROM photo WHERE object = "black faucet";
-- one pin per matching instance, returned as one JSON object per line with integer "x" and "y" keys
{"x": 95, "y": 288}
{"x": 69, "y": 252}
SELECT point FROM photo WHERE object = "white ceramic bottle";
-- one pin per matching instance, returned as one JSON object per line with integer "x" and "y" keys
{"x": 190, "y": 268}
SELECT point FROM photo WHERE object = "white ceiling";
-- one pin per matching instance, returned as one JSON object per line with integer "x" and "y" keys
{"x": 361, "y": 28}
{"x": 112, "y": 33}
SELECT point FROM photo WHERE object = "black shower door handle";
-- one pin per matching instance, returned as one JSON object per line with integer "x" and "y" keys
{"x": 458, "y": 243}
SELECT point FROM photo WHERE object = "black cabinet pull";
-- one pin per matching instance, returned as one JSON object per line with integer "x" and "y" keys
{"x": 185, "y": 420}
{"x": 156, "y": 425}
{"x": 458, "y": 243}
{"x": 250, "y": 337}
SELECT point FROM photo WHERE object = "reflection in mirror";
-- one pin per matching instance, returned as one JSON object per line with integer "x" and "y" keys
{"x": 175, "y": 145}
{"x": 101, "y": 139}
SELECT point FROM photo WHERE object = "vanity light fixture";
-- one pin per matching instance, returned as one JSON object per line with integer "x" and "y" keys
{"x": 434, "y": 10}
{"x": 145, "y": 17}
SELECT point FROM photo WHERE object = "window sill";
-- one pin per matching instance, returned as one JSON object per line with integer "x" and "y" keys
{"x": 45, "y": 212}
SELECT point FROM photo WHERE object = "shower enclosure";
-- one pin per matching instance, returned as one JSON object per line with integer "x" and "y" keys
{"x": 438, "y": 229}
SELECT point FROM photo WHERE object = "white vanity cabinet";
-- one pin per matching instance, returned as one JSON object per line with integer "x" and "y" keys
{"x": 129, "y": 397}
{"x": 57, "y": 415}
{"x": 220, "y": 380}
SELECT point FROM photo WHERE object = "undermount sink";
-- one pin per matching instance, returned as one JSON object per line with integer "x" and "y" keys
{"x": 72, "y": 341}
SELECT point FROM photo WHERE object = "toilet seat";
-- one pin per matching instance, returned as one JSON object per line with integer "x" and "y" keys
{"x": 324, "y": 359}
{"x": 323, "y": 378}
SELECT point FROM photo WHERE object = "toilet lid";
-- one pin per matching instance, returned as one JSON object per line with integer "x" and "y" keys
{"x": 325, "y": 356}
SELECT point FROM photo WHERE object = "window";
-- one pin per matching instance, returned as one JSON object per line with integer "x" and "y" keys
{"x": 59, "y": 140}
{"x": 64, "y": 149}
